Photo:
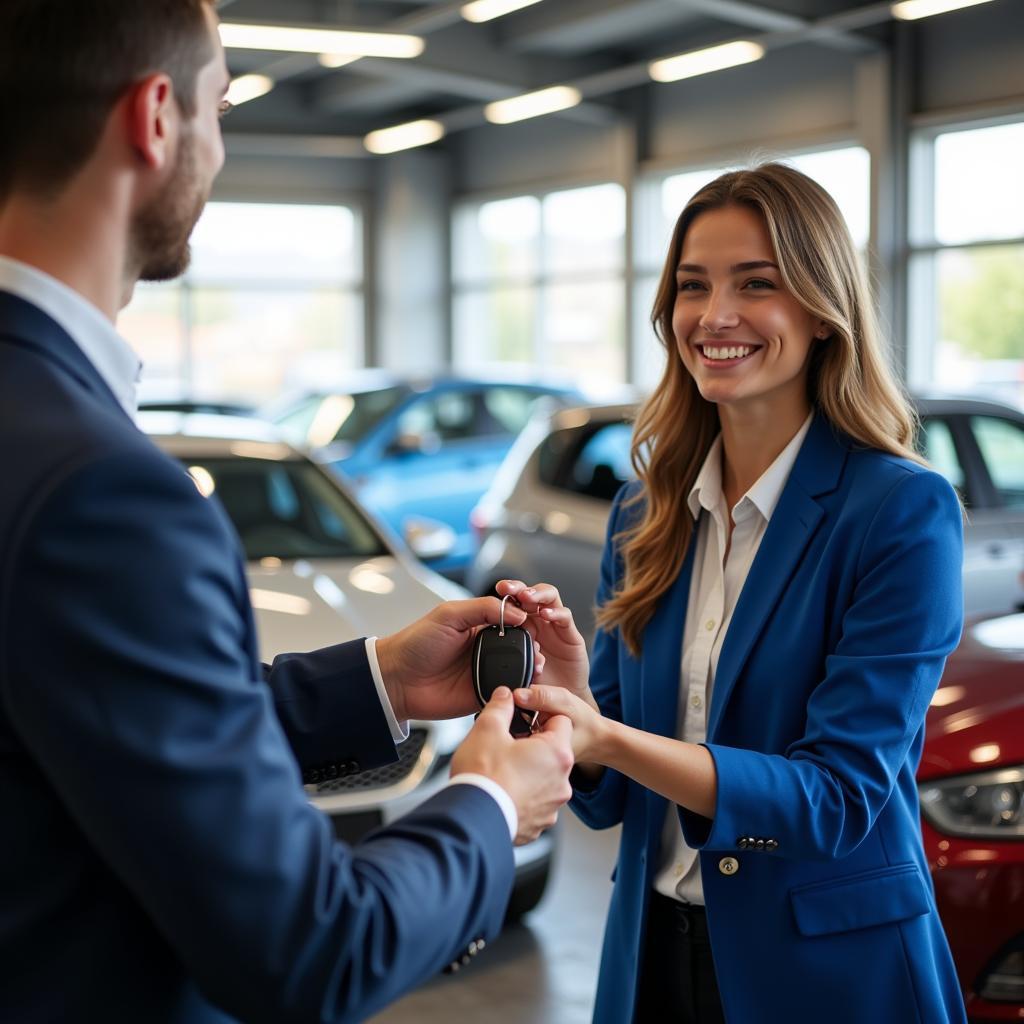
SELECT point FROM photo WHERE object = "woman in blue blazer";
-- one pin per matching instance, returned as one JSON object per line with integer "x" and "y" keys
{"x": 779, "y": 591}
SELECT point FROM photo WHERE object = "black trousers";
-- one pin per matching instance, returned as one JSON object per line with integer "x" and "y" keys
{"x": 677, "y": 973}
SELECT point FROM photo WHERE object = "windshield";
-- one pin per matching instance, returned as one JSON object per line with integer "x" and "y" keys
{"x": 288, "y": 509}
{"x": 324, "y": 419}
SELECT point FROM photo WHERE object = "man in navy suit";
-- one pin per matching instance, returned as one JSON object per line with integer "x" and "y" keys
{"x": 159, "y": 861}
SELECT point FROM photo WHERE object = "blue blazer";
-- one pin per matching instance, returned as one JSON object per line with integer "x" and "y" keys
{"x": 160, "y": 861}
{"x": 816, "y": 725}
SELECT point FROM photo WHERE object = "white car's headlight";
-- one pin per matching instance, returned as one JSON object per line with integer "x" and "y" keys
{"x": 984, "y": 804}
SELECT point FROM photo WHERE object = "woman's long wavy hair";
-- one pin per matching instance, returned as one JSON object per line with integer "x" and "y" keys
{"x": 849, "y": 379}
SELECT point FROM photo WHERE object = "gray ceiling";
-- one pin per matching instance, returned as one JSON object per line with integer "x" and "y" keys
{"x": 600, "y": 46}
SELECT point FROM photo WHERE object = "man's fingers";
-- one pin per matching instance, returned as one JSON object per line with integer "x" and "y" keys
{"x": 498, "y": 712}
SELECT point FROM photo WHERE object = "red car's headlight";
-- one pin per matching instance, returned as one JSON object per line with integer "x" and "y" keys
{"x": 983, "y": 804}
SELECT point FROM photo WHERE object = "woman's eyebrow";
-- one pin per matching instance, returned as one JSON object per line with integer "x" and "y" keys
{"x": 736, "y": 268}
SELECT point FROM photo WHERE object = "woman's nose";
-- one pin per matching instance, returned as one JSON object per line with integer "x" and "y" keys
{"x": 718, "y": 314}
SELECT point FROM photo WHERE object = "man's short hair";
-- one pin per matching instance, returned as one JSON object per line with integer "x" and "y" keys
{"x": 64, "y": 64}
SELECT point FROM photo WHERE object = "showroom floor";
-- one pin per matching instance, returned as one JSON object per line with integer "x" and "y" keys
{"x": 544, "y": 970}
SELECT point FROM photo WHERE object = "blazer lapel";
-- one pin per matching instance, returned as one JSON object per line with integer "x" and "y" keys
{"x": 793, "y": 523}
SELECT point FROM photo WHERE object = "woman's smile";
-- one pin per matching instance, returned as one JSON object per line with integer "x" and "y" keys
{"x": 723, "y": 355}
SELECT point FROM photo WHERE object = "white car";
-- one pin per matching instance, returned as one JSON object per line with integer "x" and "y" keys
{"x": 546, "y": 513}
{"x": 322, "y": 571}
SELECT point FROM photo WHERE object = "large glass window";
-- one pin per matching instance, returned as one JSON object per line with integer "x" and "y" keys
{"x": 966, "y": 300}
{"x": 273, "y": 299}
{"x": 538, "y": 283}
{"x": 844, "y": 172}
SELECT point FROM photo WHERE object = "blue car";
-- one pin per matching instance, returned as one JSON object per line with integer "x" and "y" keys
{"x": 419, "y": 452}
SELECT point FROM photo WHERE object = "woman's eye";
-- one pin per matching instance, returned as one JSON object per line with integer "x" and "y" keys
{"x": 758, "y": 283}
{"x": 690, "y": 286}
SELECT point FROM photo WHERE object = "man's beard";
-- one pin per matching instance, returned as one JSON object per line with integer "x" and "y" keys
{"x": 161, "y": 229}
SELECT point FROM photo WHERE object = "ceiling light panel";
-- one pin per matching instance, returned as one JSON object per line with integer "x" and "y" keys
{"x": 532, "y": 104}
{"x": 303, "y": 39}
{"x": 910, "y": 10}
{"x": 487, "y": 10}
{"x": 404, "y": 136}
{"x": 248, "y": 87}
{"x": 703, "y": 62}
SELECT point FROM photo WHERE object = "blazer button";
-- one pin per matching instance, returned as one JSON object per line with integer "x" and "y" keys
{"x": 760, "y": 844}
{"x": 728, "y": 865}
{"x": 742, "y": 842}
{"x": 771, "y": 844}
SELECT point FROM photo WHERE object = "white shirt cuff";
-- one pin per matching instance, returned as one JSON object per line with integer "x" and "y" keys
{"x": 399, "y": 730}
{"x": 501, "y": 798}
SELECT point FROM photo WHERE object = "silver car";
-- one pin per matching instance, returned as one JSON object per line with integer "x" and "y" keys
{"x": 545, "y": 516}
{"x": 321, "y": 571}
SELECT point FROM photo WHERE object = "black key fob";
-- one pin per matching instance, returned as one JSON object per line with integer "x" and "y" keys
{"x": 503, "y": 656}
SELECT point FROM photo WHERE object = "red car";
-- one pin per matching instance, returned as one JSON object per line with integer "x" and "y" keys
{"x": 971, "y": 781}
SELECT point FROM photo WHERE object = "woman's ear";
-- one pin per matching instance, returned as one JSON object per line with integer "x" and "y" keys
{"x": 823, "y": 332}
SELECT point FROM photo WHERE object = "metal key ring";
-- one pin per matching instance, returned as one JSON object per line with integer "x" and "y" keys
{"x": 501, "y": 615}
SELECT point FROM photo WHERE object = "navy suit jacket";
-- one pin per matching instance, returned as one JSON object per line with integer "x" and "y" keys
{"x": 819, "y": 901}
{"x": 160, "y": 861}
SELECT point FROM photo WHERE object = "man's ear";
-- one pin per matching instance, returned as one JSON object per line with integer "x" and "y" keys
{"x": 152, "y": 117}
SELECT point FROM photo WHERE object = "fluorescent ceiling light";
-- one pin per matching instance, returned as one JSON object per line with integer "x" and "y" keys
{"x": 299, "y": 39}
{"x": 701, "y": 62}
{"x": 404, "y": 136}
{"x": 336, "y": 60}
{"x": 248, "y": 87}
{"x": 485, "y": 10}
{"x": 908, "y": 10}
{"x": 532, "y": 104}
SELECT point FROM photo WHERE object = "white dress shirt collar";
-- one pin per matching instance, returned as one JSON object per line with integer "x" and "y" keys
{"x": 110, "y": 355}
{"x": 763, "y": 496}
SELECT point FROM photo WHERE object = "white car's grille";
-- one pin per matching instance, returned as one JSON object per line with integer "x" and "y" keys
{"x": 378, "y": 778}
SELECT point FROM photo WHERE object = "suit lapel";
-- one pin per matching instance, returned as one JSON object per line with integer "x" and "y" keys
{"x": 793, "y": 523}
{"x": 28, "y": 327}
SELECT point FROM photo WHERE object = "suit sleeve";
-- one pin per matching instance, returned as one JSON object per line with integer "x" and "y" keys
{"x": 130, "y": 683}
{"x": 604, "y": 805}
{"x": 821, "y": 799}
{"x": 330, "y": 710}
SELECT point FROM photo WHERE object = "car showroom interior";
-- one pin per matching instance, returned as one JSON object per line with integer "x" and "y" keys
{"x": 423, "y": 311}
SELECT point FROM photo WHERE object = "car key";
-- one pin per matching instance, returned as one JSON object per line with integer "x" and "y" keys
{"x": 503, "y": 656}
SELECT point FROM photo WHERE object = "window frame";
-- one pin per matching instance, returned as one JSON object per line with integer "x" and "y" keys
{"x": 185, "y": 288}
{"x": 921, "y": 246}
{"x": 542, "y": 279}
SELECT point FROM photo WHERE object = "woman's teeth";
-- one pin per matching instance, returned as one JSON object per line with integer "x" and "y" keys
{"x": 735, "y": 352}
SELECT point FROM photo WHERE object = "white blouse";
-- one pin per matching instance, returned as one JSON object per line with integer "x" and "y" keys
{"x": 715, "y": 588}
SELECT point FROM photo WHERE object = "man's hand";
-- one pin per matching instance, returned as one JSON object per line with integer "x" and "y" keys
{"x": 534, "y": 770}
{"x": 426, "y": 666}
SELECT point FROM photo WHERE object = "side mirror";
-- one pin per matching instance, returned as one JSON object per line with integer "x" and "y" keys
{"x": 428, "y": 539}
{"x": 412, "y": 443}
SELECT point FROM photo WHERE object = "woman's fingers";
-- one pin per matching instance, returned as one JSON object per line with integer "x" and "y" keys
{"x": 549, "y": 700}
{"x": 531, "y": 598}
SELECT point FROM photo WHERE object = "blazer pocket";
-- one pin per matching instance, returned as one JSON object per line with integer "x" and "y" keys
{"x": 860, "y": 901}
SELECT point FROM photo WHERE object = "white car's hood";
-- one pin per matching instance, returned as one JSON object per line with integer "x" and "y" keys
{"x": 305, "y": 605}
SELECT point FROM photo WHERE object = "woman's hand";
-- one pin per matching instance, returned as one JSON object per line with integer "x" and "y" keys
{"x": 590, "y": 730}
{"x": 552, "y": 626}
